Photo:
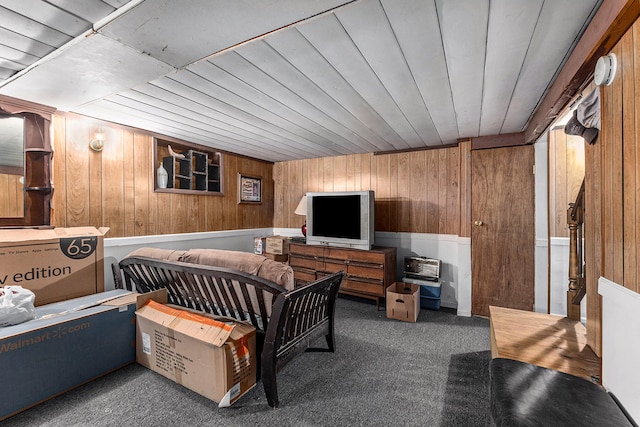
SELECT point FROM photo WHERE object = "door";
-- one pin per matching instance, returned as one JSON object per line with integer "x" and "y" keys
{"x": 503, "y": 229}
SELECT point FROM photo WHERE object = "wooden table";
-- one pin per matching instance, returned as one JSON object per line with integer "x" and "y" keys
{"x": 545, "y": 340}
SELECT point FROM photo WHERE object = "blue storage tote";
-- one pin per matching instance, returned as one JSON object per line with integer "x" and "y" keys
{"x": 430, "y": 289}
{"x": 429, "y": 292}
{"x": 429, "y": 303}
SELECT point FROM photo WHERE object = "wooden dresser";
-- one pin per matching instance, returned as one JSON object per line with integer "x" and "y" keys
{"x": 368, "y": 272}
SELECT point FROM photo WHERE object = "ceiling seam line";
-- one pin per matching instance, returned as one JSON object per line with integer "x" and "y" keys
{"x": 413, "y": 77}
{"x": 270, "y": 97}
{"x": 381, "y": 84}
{"x": 446, "y": 64}
{"x": 213, "y": 127}
{"x": 522, "y": 66}
{"x": 209, "y": 116}
{"x": 261, "y": 36}
{"x": 250, "y": 114}
{"x": 331, "y": 98}
{"x": 308, "y": 143}
{"x": 354, "y": 91}
{"x": 183, "y": 132}
{"x": 313, "y": 120}
{"x": 484, "y": 66}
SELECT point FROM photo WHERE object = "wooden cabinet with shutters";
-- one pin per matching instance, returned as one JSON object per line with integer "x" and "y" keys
{"x": 368, "y": 272}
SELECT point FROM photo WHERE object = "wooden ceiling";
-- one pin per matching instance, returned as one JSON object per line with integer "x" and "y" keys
{"x": 293, "y": 79}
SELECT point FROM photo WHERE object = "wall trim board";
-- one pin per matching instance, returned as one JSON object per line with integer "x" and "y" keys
{"x": 410, "y": 150}
{"x": 178, "y": 237}
{"x": 497, "y": 141}
{"x": 454, "y": 252}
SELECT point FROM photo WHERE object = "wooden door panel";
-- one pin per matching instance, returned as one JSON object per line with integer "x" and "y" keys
{"x": 502, "y": 234}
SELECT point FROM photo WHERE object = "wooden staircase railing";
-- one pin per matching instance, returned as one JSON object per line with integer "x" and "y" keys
{"x": 577, "y": 284}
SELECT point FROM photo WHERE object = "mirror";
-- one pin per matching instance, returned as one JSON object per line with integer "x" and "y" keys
{"x": 11, "y": 166}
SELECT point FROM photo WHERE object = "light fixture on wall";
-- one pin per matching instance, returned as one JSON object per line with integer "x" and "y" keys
{"x": 302, "y": 210}
{"x": 605, "y": 70}
{"x": 97, "y": 143}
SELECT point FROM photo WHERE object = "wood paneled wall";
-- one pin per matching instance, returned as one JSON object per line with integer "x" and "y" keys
{"x": 114, "y": 188}
{"x": 11, "y": 196}
{"x": 566, "y": 173}
{"x": 424, "y": 191}
{"x": 612, "y": 213}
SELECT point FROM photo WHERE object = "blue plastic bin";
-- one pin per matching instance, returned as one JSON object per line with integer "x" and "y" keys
{"x": 430, "y": 289}
{"x": 430, "y": 303}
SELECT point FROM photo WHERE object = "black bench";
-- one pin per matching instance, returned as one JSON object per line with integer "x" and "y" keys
{"x": 523, "y": 394}
{"x": 287, "y": 321}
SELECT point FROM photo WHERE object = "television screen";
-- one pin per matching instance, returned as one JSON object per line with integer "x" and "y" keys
{"x": 341, "y": 218}
{"x": 337, "y": 216}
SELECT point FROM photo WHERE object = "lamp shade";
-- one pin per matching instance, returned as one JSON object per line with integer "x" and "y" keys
{"x": 302, "y": 206}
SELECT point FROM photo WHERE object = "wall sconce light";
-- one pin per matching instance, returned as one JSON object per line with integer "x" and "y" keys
{"x": 302, "y": 210}
{"x": 97, "y": 143}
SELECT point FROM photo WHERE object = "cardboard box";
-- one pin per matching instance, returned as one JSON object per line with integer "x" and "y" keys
{"x": 66, "y": 345}
{"x": 428, "y": 288}
{"x": 403, "y": 301}
{"x": 278, "y": 245}
{"x": 57, "y": 264}
{"x": 213, "y": 358}
{"x": 279, "y": 258}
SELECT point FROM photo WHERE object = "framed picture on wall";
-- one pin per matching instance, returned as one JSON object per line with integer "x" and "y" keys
{"x": 249, "y": 189}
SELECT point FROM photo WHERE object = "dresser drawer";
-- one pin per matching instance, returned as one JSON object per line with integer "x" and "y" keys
{"x": 334, "y": 265}
{"x": 303, "y": 276}
{"x": 305, "y": 262}
{"x": 373, "y": 256}
{"x": 306, "y": 250}
{"x": 369, "y": 271}
{"x": 364, "y": 286}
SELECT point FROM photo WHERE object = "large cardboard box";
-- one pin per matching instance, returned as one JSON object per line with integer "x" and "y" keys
{"x": 214, "y": 358}
{"x": 403, "y": 301}
{"x": 57, "y": 264}
{"x": 66, "y": 345}
{"x": 278, "y": 245}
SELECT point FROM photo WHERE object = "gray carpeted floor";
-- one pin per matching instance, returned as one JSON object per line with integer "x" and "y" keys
{"x": 384, "y": 373}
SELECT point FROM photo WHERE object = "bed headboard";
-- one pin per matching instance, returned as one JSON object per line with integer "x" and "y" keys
{"x": 621, "y": 344}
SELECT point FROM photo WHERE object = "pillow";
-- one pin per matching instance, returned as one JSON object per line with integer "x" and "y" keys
{"x": 156, "y": 253}
{"x": 278, "y": 273}
{"x": 258, "y": 265}
{"x": 243, "y": 261}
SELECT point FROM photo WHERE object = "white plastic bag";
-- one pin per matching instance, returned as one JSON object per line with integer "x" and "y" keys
{"x": 16, "y": 305}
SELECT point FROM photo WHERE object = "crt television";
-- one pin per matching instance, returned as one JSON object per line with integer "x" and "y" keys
{"x": 341, "y": 218}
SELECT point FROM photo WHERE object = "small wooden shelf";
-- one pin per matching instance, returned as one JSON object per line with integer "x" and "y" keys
{"x": 197, "y": 173}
